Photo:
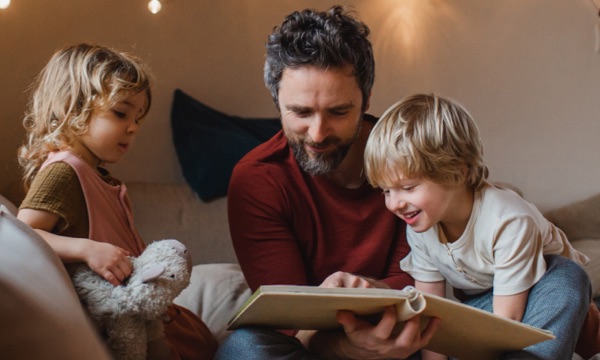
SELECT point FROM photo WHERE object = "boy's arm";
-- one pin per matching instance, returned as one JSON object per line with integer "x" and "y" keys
{"x": 107, "y": 260}
{"x": 436, "y": 288}
{"x": 511, "y": 306}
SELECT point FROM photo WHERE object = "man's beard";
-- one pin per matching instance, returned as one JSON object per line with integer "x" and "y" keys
{"x": 321, "y": 163}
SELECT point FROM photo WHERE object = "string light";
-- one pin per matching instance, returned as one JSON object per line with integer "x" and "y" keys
{"x": 154, "y": 6}
{"x": 4, "y": 4}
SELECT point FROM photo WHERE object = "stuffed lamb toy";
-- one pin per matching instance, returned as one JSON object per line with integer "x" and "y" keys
{"x": 130, "y": 315}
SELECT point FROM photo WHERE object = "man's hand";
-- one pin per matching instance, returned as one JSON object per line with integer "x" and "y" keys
{"x": 367, "y": 341}
{"x": 347, "y": 280}
{"x": 363, "y": 340}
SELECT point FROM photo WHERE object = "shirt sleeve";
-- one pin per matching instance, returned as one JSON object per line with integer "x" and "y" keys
{"x": 418, "y": 263}
{"x": 518, "y": 255}
{"x": 259, "y": 231}
{"x": 56, "y": 189}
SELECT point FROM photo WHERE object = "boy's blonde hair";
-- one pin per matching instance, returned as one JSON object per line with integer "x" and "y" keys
{"x": 425, "y": 136}
{"x": 77, "y": 80}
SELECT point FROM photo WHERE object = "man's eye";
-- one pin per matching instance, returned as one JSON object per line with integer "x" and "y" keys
{"x": 339, "y": 113}
{"x": 302, "y": 114}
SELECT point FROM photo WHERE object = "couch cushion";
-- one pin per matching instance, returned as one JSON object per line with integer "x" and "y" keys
{"x": 579, "y": 220}
{"x": 591, "y": 248}
{"x": 174, "y": 211}
{"x": 39, "y": 309}
{"x": 215, "y": 294}
{"x": 209, "y": 143}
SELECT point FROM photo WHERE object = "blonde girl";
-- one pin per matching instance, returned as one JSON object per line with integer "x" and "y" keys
{"x": 85, "y": 112}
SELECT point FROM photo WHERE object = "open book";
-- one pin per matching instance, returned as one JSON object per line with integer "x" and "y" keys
{"x": 465, "y": 332}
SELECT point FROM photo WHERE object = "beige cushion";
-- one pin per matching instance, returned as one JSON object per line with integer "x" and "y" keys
{"x": 39, "y": 309}
{"x": 174, "y": 211}
{"x": 216, "y": 292}
{"x": 580, "y": 220}
{"x": 591, "y": 248}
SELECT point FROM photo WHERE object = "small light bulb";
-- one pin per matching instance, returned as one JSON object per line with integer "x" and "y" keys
{"x": 154, "y": 6}
{"x": 4, "y": 4}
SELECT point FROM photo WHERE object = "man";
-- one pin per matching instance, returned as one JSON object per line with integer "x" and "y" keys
{"x": 300, "y": 209}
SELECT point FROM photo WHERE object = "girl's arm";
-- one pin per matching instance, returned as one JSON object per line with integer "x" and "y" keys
{"x": 511, "y": 306}
{"x": 107, "y": 260}
{"x": 436, "y": 288}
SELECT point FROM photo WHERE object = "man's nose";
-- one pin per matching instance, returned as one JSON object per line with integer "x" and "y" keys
{"x": 318, "y": 130}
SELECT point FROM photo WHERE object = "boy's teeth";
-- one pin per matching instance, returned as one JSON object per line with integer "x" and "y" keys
{"x": 411, "y": 215}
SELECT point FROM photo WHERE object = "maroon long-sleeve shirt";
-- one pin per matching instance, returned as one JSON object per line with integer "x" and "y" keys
{"x": 289, "y": 227}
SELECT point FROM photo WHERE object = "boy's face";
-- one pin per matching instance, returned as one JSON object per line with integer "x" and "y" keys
{"x": 422, "y": 203}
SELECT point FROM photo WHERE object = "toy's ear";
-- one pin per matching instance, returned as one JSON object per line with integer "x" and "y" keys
{"x": 152, "y": 273}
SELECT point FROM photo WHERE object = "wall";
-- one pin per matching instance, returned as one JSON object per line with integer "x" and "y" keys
{"x": 526, "y": 69}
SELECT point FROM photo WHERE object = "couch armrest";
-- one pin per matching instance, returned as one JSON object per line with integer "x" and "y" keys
{"x": 39, "y": 309}
{"x": 579, "y": 220}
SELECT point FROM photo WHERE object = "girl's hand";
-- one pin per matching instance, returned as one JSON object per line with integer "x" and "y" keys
{"x": 109, "y": 261}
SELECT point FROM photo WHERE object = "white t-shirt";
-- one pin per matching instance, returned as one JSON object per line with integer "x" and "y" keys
{"x": 502, "y": 247}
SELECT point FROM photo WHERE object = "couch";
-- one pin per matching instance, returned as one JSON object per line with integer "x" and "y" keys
{"x": 34, "y": 277}
{"x": 40, "y": 315}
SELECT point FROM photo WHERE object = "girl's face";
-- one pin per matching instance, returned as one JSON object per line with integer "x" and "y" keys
{"x": 111, "y": 132}
{"x": 422, "y": 203}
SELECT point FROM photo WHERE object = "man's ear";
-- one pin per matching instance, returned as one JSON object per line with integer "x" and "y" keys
{"x": 367, "y": 104}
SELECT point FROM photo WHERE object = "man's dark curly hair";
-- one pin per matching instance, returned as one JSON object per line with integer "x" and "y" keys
{"x": 330, "y": 39}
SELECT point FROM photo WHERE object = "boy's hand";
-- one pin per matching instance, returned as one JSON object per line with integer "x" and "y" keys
{"x": 109, "y": 261}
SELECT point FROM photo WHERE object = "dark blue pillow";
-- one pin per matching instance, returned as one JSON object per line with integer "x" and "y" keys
{"x": 209, "y": 143}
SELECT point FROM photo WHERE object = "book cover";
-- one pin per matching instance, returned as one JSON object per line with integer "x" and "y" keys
{"x": 465, "y": 332}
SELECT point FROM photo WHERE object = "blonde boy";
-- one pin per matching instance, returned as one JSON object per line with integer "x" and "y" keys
{"x": 485, "y": 241}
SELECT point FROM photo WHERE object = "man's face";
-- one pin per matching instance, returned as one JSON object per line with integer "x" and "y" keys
{"x": 321, "y": 113}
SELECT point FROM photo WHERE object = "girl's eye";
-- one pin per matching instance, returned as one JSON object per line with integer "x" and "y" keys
{"x": 119, "y": 114}
{"x": 408, "y": 188}
{"x": 385, "y": 192}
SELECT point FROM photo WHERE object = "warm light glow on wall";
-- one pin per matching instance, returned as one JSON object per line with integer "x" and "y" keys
{"x": 154, "y": 6}
{"x": 4, "y": 4}
{"x": 404, "y": 29}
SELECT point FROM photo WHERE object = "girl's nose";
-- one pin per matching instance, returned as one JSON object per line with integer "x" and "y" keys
{"x": 133, "y": 127}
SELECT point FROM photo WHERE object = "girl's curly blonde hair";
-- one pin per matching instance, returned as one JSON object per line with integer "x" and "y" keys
{"x": 77, "y": 80}
{"x": 425, "y": 136}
